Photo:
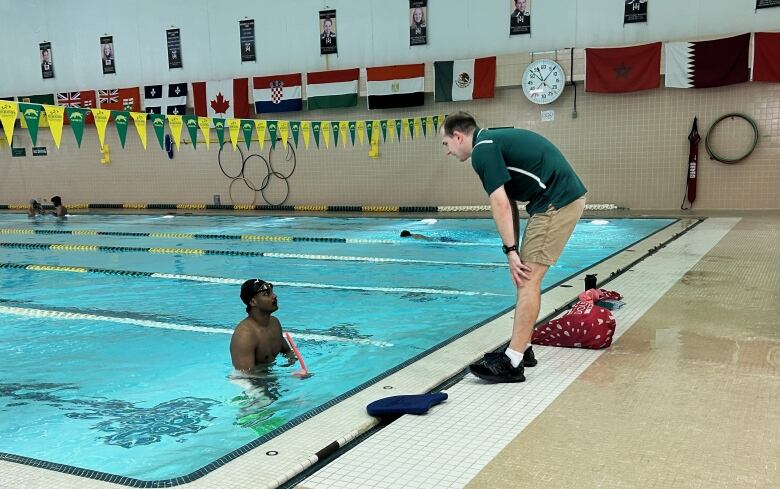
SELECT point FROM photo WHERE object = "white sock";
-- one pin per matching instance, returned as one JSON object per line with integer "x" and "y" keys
{"x": 514, "y": 356}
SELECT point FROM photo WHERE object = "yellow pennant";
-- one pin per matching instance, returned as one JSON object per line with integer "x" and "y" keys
{"x": 140, "y": 125}
{"x": 56, "y": 115}
{"x": 101, "y": 121}
{"x": 405, "y": 128}
{"x": 284, "y": 132}
{"x": 417, "y": 127}
{"x": 390, "y": 129}
{"x": 8, "y": 111}
{"x": 205, "y": 127}
{"x": 325, "y": 132}
{"x": 261, "y": 126}
{"x": 430, "y": 125}
{"x": 360, "y": 126}
{"x": 305, "y": 127}
{"x": 234, "y": 126}
{"x": 343, "y": 128}
{"x": 175, "y": 122}
{"x": 376, "y": 132}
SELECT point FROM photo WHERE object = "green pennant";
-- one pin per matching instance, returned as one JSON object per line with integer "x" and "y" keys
{"x": 369, "y": 130}
{"x": 191, "y": 122}
{"x": 424, "y": 124}
{"x": 352, "y": 131}
{"x": 411, "y": 127}
{"x": 273, "y": 127}
{"x": 334, "y": 129}
{"x": 383, "y": 123}
{"x": 295, "y": 126}
{"x": 158, "y": 123}
{"x": 398, "y": 126}
{"x": 121, "y": 118}
{"x": 247, "y": 126}
{"x": 219, "y": 127}
{"x": 76, "y": 117}
{"x": 436, "y": 123}
{"x": 31, "y": 114}
{"x": 315, "y": 128}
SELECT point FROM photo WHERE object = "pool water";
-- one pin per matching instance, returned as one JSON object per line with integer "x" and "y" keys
{"x": 126, "y": 374}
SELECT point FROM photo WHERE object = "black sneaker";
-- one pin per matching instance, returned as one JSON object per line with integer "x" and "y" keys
{"x": 529, "y": 360}
{"x": 497, "y": 368}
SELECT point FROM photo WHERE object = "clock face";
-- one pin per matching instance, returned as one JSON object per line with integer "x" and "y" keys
{"x": 543, "y": 81}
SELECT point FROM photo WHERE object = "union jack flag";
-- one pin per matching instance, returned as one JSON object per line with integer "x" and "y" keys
{"x": 69, "y": 99}
{"x": 108, "y": 96}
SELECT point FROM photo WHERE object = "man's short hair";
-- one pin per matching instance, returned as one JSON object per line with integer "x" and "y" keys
{"x": 56, "y": 200}
{"x": 405, "y": 233}
{"x": 459, "y": 121}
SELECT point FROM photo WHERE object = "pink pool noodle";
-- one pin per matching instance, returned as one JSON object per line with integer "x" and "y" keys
{"x": 303, "y": 371}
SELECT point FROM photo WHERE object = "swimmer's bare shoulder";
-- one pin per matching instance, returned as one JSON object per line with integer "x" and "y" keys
{"x": 243, "y": 344}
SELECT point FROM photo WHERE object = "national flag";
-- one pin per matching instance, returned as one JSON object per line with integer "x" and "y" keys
{"x": 225, "y": 98}
{"x": 616, "y": 70}
{"x": 396, "y": 86}
{"x": 464, "y": 79}
{"x": 766, "y": 56}
{"x": 705, "y": 64}
{"x": 85, "y": 99}
{"x": 120, "y": 99}
{"x": 332, "y": 89}
{"x": 278, "y": 93}
{"x": 166, "y": 99}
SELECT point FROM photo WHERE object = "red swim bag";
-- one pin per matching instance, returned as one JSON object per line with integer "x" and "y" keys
{"x": 585, "y": 325}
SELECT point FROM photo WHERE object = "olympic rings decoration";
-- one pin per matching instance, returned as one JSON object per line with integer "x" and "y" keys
{"x": 271, "y": 173}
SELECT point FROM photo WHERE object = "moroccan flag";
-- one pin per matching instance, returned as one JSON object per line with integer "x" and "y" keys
{"x": 277, "y": 93}
{"x": 331, "y": 89}
{"x": 707, "y": 64}
{"x": 128, "y": 99}
{"x": 396, "y": 86}
{"x": 766, "y": 57}
{"x": 225, "y": 99}
{"x": 615, "y": 70}
{"x": 464, "y": 79}
{"x": 84, "y": 99}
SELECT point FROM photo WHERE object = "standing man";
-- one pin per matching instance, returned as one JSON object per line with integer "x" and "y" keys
{"x": 519, "y": 165}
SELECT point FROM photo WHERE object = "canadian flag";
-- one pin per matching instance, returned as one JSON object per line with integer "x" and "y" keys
{"x": 225, "y": 98}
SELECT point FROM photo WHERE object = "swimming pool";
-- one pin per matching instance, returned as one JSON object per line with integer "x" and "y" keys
{"x": 119, "y": 362}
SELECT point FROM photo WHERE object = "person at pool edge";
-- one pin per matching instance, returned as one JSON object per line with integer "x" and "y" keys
{"x": 258, "y": 338}
{"x": 519, "y": 165}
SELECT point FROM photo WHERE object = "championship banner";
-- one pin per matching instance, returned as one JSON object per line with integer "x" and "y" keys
{"x": 246, "y": 32}
{"x": 305, "y": 126}
{"x": 767, "y": 3}
{"x": 247, "y": 126}
{"x": 272, "y": 129}
{"x": 77, "y": 117}
{"x": 261, "y": 127}
{"x": 284, "y": 132}
{"x": 47, "y": 65}
{"x": 219, "y": 128}
{"x": 234, "y": 126}
{"x": 158, "y": 123}
{"x": 175, "y": 122}
{"x": 56, "y": 117}
{"x": 328, "y": 32}
{"x": 519, "y": 17}
{"x": 173, "y": 36}
{"x": 8, "y": 111}
{"x": 139, "y": 118}
{"x": 418, "y": 22}
{"x": 107, "y": 54}
{"x": 191, "y": 122}
{"x": 635, "y": 11}
{"x": 121, "y": 120}
{"x": 205, "y": 127}
{"x": 101, "y": 121}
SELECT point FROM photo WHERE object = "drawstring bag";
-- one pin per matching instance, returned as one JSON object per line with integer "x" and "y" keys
{"x": 585, "y": 325}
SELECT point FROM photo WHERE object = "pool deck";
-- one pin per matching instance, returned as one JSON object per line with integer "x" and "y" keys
{"x": 686, "y": 397}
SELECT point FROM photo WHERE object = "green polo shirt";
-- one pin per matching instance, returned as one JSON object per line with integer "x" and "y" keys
{"x": 530, "y": 168}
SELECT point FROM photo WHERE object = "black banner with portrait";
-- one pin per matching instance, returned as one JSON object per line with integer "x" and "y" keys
{"x": 767, "y": 3}
{"x": 418, "y": 22}
{"x": 519, "y": 17}
{"x": 173, "y": 36}
{"x": 328, "y": 32}
{"x": 246, "y": 31}
{"x": 47, "y": 65}
{"x": 107, "y": 54}
{"x": 636, "y": 11}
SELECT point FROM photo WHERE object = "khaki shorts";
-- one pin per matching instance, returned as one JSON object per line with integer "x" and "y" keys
{"x": 547, "y": 232}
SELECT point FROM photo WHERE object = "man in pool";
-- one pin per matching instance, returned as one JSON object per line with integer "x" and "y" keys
{"x": 258, "y": 338}
{"x": 444, "y": 239}
{"x": 519, "y": 165}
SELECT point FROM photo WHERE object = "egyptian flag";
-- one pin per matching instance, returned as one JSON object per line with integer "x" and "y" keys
{"x": 464, "y": 79}
{"x": 120, "y": 99}
{"x": 396, "y": 86}
{"x": 615, "y": 70}
{"x": 278, "y": 93}
{"x": 84, "y": 99}
{"x": 707, "y": 64}
{"x": 766, "y": 57}
{"x": 166, "y": 99}
{"x": 225, "y": 98}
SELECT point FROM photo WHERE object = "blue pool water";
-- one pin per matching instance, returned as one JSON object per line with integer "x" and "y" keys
{"x": 131, "y": 375}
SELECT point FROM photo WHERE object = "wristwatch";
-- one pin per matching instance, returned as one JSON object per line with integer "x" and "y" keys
{"x": 507, "y": 249}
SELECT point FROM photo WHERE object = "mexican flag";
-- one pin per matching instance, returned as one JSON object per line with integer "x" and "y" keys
{"x": 331, "y": 89}
{"x": 464, "y": 79}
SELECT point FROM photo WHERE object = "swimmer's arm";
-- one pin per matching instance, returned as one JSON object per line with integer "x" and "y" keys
{"x": 242, "y": 351}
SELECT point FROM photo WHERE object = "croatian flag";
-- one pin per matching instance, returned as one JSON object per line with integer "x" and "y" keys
{"x": 278, "y": 93}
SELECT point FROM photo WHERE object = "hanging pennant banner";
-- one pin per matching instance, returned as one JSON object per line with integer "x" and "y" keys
{"x": 343, "y": 128}
{"x": 325, "y": 133}
{"x": 334, "y": 127}
{"x": 635, "y": 11}
{"x": 435, "y": 121}
{"x": 175, "y": 122}
{"x": 158, "y": 123}
{"x": 295, "y": 128}
{"x": 101, "y": 121}
{"x": 424, "y": 125}
{"x": 247, "y": 127}
{"x": 383, "y": 124}
{"x": 173, "y": 36}
{"x": 316, "y": 127}
{"x": 107, "y": 54}
{"x": 359, "y": 127}
{"x": 8, "y": 111}
{"x": 305, "y": 126}
{"x": 139, "y": 118}
{"x": 205, "y": 127}
{"x": 76, "y": 116}
{"x": 31, "y": 115}
{"x": 520, "y": 17}
{"x": 191, "y": 121}
{"x": 234, "y": 126}
{"x": 418, "y": 22}
{"x": 370, "y": 131}
{"x": 219, "y": 128}
{"x": 261, "y": 127}
{"x": 47, "y": 65}
{"x": 121, "y": 120}
{"x": 405, "y": 130}
{"x": 56, "y": 116}
{"x": 284, "y": 132}
{"x": 272, "y": 126}
{"x": 328, "y": 32}
{"x": 246, "y": 32}
{"x": 417, "y": 127}
{"x": 399, "y": 128}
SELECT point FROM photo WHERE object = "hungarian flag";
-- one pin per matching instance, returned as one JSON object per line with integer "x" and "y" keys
{"x": 120, "y": 99}
{"x": 331, "y": 89}
{"x": 766, "y": 57}
{"x": 278, "y": 93}
{"x": 464, "y": 79}
{"x": 396, "y": 86}
{"x": 84, "y": 99}
{"x": 705, "y": 64}
{"x": 166, "y": 99}
{"x": 615, "y": 70}
{"x": 225, "y": 98}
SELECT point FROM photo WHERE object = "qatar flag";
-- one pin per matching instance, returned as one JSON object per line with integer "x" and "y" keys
{"x": 705, "y": 64}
